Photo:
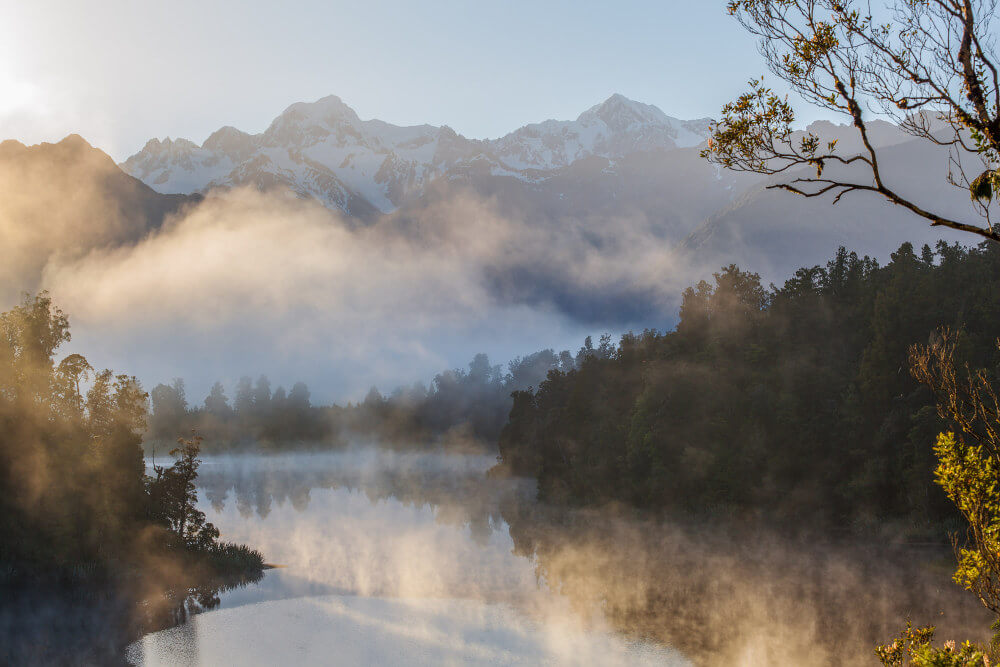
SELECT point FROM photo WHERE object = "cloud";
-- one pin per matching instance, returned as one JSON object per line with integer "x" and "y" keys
{"x": 250, "y": 282}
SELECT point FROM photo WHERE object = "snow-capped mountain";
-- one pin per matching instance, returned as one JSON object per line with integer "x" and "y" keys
{"x": 323, "y": 150}
{"x": 613, "y": 129}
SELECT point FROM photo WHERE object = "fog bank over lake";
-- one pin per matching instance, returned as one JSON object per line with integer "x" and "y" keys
{"x": 425, "y": 558}
{"x": 385, "y": 559}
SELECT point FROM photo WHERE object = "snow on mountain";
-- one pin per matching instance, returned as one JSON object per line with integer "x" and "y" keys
{"x": 323, "y": 150}
{"x": 615, "y": 128}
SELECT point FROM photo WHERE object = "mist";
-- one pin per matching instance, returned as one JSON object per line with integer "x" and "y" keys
{"x": 409, "y": 548}
{"x": 597, "y": 391}
{"x": 250, "y": 282}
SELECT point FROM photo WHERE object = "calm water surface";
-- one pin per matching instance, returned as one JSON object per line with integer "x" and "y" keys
{"x": 386, "y": 559}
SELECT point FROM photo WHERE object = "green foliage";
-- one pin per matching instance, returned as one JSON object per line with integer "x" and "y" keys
{"x": 752, "y": 124}
{"x": 969, "y": 462}
{"x": 227, "y": 557}
{"x": 74, "y": 496}
{"x": 913, "y": 647}
{"x": 982, "y": 186}
{"x": 970, "y": 479}
{"x": 835, "y": 55}
{"x": 791, "y": 403}
{"x": 174, "y": 498}
{"x": 70, "y": 464}
{"x": 901, "y": 649}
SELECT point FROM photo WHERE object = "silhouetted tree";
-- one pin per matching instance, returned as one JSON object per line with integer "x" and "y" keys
{"x": 174, "y": 497}
{"x": 928, "y": 65}
{"x": 216, "y": 403}
{"x": 74, "y": 496}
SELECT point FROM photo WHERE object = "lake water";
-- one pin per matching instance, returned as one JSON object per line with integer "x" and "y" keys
{"x": 385, "y": 559}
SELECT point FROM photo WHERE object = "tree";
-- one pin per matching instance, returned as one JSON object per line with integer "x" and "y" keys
{"x": 929, "y": 65}
{"x": 174, "y": 497}
{"x": 913, "y": 647}
{"x": 30, "y": 333}
{"x": 169, "y": 408}
{"x": 968, "y": 463}
{"x": 216, "y": 403}
{"x": 262, "y": 395}
{"x": 298, "y": 400}
{"x": 243, "y": 402}
{"x": 71, "y": 468}
{"x": 70, "y": 372}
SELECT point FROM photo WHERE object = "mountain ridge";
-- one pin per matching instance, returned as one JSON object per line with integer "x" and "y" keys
{"x": 364, "y": 168}
{"x": 68, "y": 198}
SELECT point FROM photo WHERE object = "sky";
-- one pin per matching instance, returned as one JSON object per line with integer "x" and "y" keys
{"x": 119, "y": 72}
{"x": 342, "y": 310}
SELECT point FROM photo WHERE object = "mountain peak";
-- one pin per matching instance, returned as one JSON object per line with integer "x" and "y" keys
{"x": 229, "y": 141}
{"x": 327, "y": 109}
{"x": 305, "y": 122}
{"x": 74, "y": 141}
{"x": 620, "y": 113}
{"x": 618, "y": 98}
{"x": 323, "y": 149}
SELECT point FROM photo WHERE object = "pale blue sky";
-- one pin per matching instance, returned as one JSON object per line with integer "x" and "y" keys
{"x": 122, "y": 71}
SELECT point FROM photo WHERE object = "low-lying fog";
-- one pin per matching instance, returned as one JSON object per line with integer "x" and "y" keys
{"x": 309, "y": 296}
{"x": 385, "y": 559}
{"x": 391, "y": 558}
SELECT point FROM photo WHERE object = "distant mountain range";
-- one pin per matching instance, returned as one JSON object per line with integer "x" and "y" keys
{"x": 367, "y": 168}
{"x": 622, "y": 179}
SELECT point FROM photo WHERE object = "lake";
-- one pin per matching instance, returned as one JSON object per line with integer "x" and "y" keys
{"x": 425, "y": 559}
{"x": 384, "y": 559}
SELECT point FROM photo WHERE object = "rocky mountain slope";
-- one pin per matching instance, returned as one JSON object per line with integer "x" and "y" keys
{"x": 604, "y": 219}
{"x": 366, "y": 168}
{"x": 67, "y": 199}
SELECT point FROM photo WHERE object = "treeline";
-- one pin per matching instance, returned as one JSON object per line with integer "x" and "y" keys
{"x": 460, "y": 408}
{"x": 793, "y": 403}
{"x": 75, "y": 499}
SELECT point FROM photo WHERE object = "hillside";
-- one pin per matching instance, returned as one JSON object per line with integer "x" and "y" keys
{"x": 68, "y": 198}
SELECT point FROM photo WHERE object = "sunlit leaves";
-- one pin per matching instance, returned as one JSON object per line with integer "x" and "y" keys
{"x": 901, "y": 648}
{"x": 750, "y": 128}
{"x": 932, "y": 59}
{"x": 968, "y": 475}
{"x": 984, "y": 185}
{"x": 913, "y": 647}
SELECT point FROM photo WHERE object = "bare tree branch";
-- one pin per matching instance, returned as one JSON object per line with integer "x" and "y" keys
{"x": 931, "y": 69}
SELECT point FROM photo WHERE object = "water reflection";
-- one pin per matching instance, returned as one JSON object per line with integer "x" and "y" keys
{"x": 376, "y": 524}
{"x": 387, "y": 559}
{"x": 92, "y": 622}
{"x": 437, "y": 527}
{"x": 387, "y": 554}
{"x": 352, "y": 630}
{"x": 455, "y": 486}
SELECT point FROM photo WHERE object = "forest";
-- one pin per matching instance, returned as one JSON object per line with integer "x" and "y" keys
{"x": 791, "y": 403}
{"x": 461, "y": 409}
{"x": 78, "y": 510}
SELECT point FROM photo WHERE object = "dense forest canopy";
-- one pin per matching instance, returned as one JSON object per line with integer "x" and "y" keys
{"x": 460, "y": 408}
{"x": 792, "y": 402}
{"x": 72, "y": 470}
{"x": 74, "y": 493}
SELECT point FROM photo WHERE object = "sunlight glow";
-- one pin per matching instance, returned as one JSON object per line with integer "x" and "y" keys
{"x": 17, "y": 95}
